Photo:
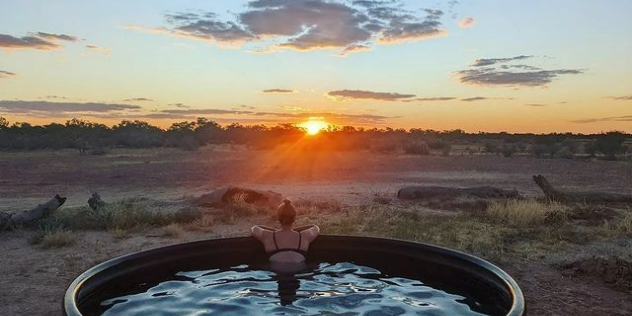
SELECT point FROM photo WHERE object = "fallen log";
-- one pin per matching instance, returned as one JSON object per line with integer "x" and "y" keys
{"x": 232, "y": 194}
{"x": 430, "y": 192}
{"x": 586, "y": 197}
{"x": 11, "y": 220}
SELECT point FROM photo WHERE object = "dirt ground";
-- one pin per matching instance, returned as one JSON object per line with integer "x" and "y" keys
{"x": 34, "y": 279}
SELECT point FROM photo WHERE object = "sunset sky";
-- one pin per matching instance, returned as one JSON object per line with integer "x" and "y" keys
{"x": 479, "y": 65}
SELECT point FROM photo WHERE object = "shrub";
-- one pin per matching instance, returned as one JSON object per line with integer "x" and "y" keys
{"x": 538, "y": 150}
{"x": 384, "y": 146}
{"x": 53, "y": 237}
{"x": 122, "y": 215}
{"x": 610, "y": 144}
{"x": 508, "y": 150}
{"x": 416, "y": 148}
{"x": 525, "y": 213}
{"x": 172, "y": 231}
{"x": 491, "y": 148}
{"x": 564, "y": 153}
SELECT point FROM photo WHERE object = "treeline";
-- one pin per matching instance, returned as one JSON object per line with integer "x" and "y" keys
{"x": 96, "y": 138}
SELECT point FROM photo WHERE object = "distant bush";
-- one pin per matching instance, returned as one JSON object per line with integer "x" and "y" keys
{"x": 565, "y": 153}
{"x": 508, "y": 150}
{"x": 188, "y": 143}
{"x": 610, "y": 144}
{"x": 539, "y": 150}
{"x": 416, "y": 148}
{"x": 384, "y": 146}
{"x": 98, "y": 152}
{"x": 438, "y": 144}
{"x": 590, "y": 149}
{"x": 491, "y": 148}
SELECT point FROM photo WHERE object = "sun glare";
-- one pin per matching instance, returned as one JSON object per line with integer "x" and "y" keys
{"x": 313, "y": 127}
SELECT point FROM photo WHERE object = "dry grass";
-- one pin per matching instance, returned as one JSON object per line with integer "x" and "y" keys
{"x": 53, "y": 238}
{"x": 526, "y": 213}
{"x": 622, "y": 225}
{"x": 172, "y": 231}
{"x": 204, "y": 224}
{"x": 536, "y": 229}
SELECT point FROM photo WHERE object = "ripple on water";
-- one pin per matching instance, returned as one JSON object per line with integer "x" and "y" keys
{"x": 328, "y": 289}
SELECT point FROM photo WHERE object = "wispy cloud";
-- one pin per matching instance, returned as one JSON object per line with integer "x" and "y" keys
{"x": 98, "y": 48}
{"x": 278, "y": 91}
{"x": 206, "y": 112}
{"x": 20, "y": 106}
{"x": 360, "y": 94}
{"x": 55, "y": 97}
{"x": 7, "y": 74}
{"x": 256, "y": 116}
{"x": 493, "y": 61}
{"x": 306, "y": 25}
{"x": 473, "y": 99}
{"x": 467, "y": 23}
{"x": 622, "y": 98}
{"x": 39, "y": 40}
{"x": 535, "y": 104}
{"x": 430, "y": 99}
{"x": 138, "y": 100}
{"x": 482, "y": 74}
{"x": 180, "y": 105}
{"x": 625, "y": 118}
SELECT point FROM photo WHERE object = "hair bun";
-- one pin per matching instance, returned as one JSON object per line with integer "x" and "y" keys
{"x": 287, "y": 202}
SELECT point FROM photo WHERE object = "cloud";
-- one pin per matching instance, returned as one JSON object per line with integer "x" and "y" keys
{"x": 623, "y": 98}
{"x": 535, "y": 104}
{"x": 473, "y": 99}
{"x": 359, "y": 94}
{"x": 430, "y": 99}
{"x": 56, "y": 37}
{"x": 467, "y": 23}
{"x": 493, "y": 61}
{"x": 7, "y": 74}
{"x": 276, "y": 91}
{"x": 180, "y": 105}
{"x": 487, "y": 72}
{"x": 257, "y": 117}
{"x": 98, "y": 48}
{"x": 61, "y": 107}
{"x": 138, "y": 100}
{"x": 205, "y": 112}
{"x": 354, "y": 48}
{"x": 54, "y": 97}
{"x": 487, "y": 77}
{"x": 39, "y": 40}
{"x": 625, "y": 118}
{"x": 306, "y": 25}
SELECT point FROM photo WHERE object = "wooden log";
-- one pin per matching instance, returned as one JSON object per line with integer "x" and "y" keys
{"x": 226, "y": 195}
{"x": 430, "y": 192}
{"x": 586, "y": 197}
{"x": 8, "y": 221}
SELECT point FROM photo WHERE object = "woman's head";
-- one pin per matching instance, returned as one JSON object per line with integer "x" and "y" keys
{"x": 286, "y": 213}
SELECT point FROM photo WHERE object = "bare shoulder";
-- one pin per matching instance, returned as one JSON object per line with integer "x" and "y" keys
{"x": 260, "y": 232}
{"x": 311, "y": 233}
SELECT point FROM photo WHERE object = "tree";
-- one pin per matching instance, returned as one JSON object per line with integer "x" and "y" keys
{"x": 610, "y": 144}
{"x": 3, "y": 123}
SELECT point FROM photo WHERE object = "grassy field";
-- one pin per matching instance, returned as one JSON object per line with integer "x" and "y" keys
{"x": 566, "y": 257}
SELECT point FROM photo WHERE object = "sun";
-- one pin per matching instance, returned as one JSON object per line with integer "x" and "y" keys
{"x": 313, "y": 126}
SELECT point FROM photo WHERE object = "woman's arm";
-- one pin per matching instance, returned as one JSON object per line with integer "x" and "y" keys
{"x": 258, "y": 231}
{"x": 310, "y": 231}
